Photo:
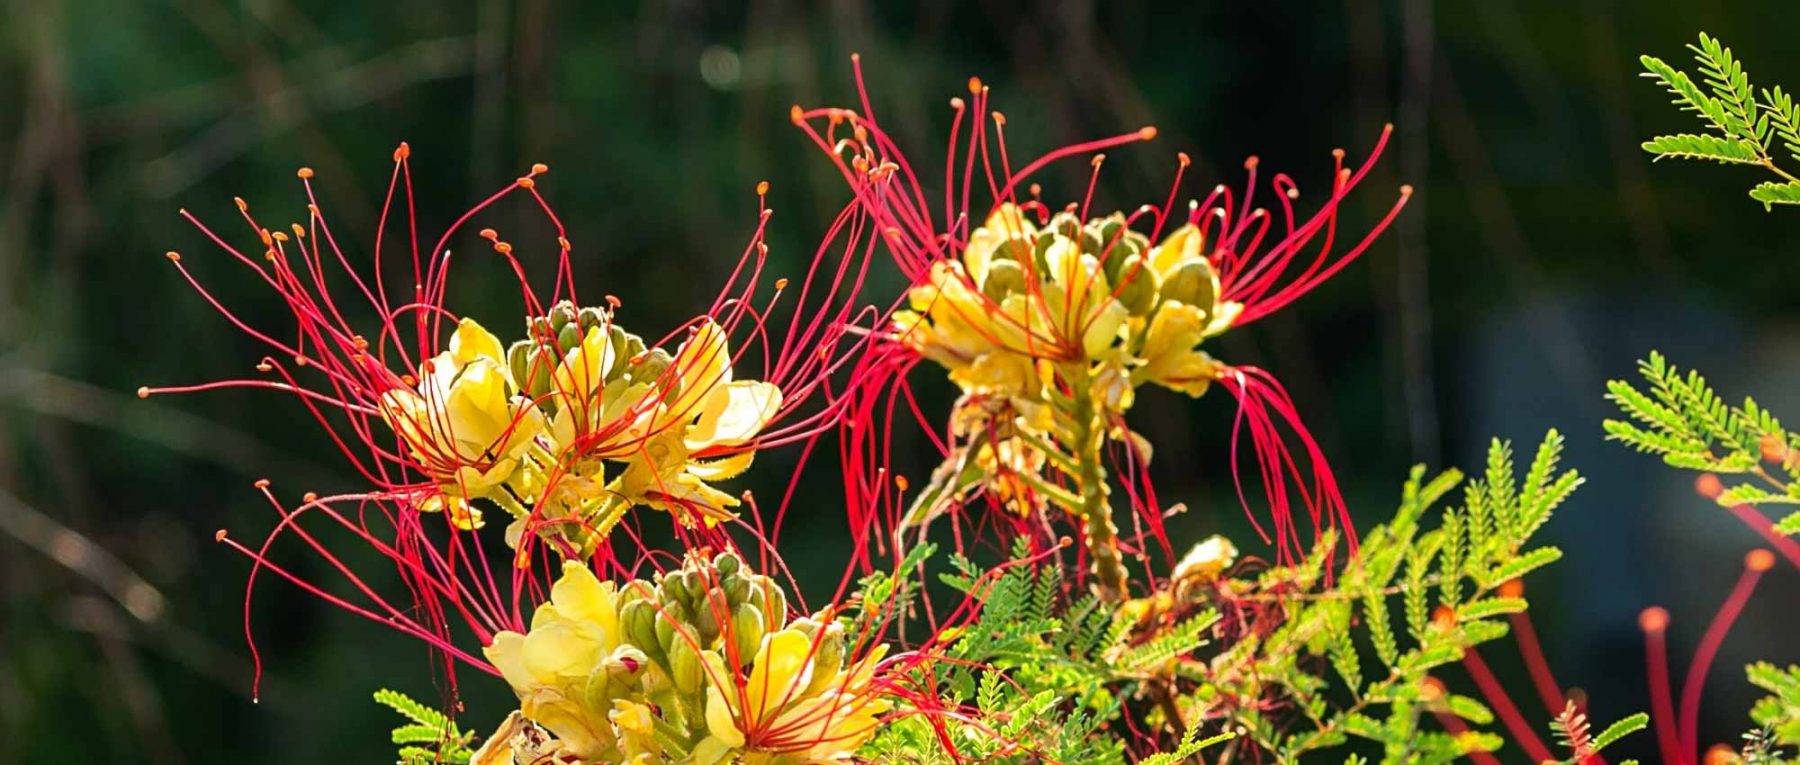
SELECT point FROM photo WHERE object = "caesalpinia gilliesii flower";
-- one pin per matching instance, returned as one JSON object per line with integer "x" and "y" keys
{"x": 701, "y": 666}
{"x": 565, "y": 429}
{"x": 1066, "y": 313}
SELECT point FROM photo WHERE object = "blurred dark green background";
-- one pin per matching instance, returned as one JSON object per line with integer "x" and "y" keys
{"x": 1542, "y": 254}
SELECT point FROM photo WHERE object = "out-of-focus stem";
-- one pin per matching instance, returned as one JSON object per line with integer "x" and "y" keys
{"x": 1504, "y": 707}
{"x": 1761, "y": 524}
{"x": 1755, "y": 563}
{"x": 1655, "y": 622}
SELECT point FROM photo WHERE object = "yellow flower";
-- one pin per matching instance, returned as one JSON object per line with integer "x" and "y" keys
{"x": 1171, "y": 350}
{"x": 790, "y": 709}
{"x": 569, "y": 666}
{"x": 464, "y": 424}
{"x": 710, "y": 414}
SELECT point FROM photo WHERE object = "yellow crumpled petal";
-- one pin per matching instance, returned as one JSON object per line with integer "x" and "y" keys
{"x": 584, "y": 367}
{"x": 1180, "y": 244}
{"x": 1170, "y": 351}
{"x": 733, "y": 413}
{"x": 472, "y": 341}
{"x": 702, "y": 362}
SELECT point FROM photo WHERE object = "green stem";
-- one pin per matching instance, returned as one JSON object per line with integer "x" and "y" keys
{"x": 1088, "y": 445}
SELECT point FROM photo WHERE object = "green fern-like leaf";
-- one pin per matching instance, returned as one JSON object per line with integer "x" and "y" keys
{"x": 1732, "y": 151}
{"x": 1771, "y": 193}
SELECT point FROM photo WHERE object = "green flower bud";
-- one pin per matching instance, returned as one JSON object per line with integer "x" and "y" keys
{"x": 774, "y": 605}
{"x": 706, "y": 619}
{"x": 673, "y": 589}
{"x": 1193, "y": 282}
{"x": 669, "y": 625}
{"x": 561, "y": 315}
{"x": 638, "y": 619}
{"x": 728, "y": 564}
{"x": 828, "y": 658}
{"x": 737, "y": 589}
{"x": 1004, "y": 277}
{"x": 568, "y": 338}
{"x": 695, "y": 585}
{"x": 1012, "y": 249}
{"x": 617, "y": 339}
{"x": 589, "y": 318}
{"x": 518, "y": 361}
{"x": 654, "y": 363}
{"x": 685, "y": 668}
{"x": 1137, "y": 286}
{"x": 747, "y": 627}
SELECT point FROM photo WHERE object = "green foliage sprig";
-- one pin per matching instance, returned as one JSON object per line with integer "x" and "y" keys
{"x": 1743, "y": 130}
{"x": 1039, "y": 669}
{"x": 1778, "y": 712}
{"x": 1474, "y": 549}
{"x": 429, "y": 737}
{"x": 1682, "y": 419}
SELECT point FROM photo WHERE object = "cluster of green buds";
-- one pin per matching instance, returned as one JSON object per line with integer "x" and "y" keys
{"x": 1123, "y": 253}
{"x": 534, "y": 360}
{"x": 700, "y": 664}
{"x": 706, "y": 605}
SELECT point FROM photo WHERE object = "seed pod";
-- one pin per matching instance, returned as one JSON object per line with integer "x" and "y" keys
{"x": 1004, "y": 277}
{"x": 684, "y": 666}
{"x": 1193, "y": 282}
{"x": 747, "y": 628}
{"x": 1137, "y": 286}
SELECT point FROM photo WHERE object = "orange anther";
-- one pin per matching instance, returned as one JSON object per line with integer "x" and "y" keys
{"x": 304, "y": 173}
{"x": 1653, "y": 619}
{"x": 1759, "y": 560}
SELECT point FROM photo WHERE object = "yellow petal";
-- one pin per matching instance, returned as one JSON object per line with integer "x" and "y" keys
{"x": 472, "y": 342}
{"x": 722, "y": 469}
{"x": 703, "y": 362}
{"x": 720, "y": 723}
{"x": 783, "y": 667}
{"x": 507, "y": 654}
{"x": 1181, "y": 243}
{"x": 733, "y": 414}
{"x": 581, "y": 596}
{"x": 584, "y": 368}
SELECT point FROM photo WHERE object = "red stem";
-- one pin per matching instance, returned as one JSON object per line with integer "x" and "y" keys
{"x": 1541, "y": 676}
{"x": 1457, "y": 728}
{"x": 1755, "y": 564}
{"x": 1761, "y": 524}
{"x": 1504, "y": 706}
{"x": 1654, "y": 622}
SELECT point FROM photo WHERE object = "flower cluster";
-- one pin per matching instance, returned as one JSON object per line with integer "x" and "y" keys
{"x": 536, "y": 424}
{"x": 1064, "y": 314}
{"x": 700, "y": 665}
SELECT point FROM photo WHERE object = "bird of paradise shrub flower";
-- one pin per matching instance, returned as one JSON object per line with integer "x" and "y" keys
{"x": 565, "y": 430}
{"x": 1050, "y": 318}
